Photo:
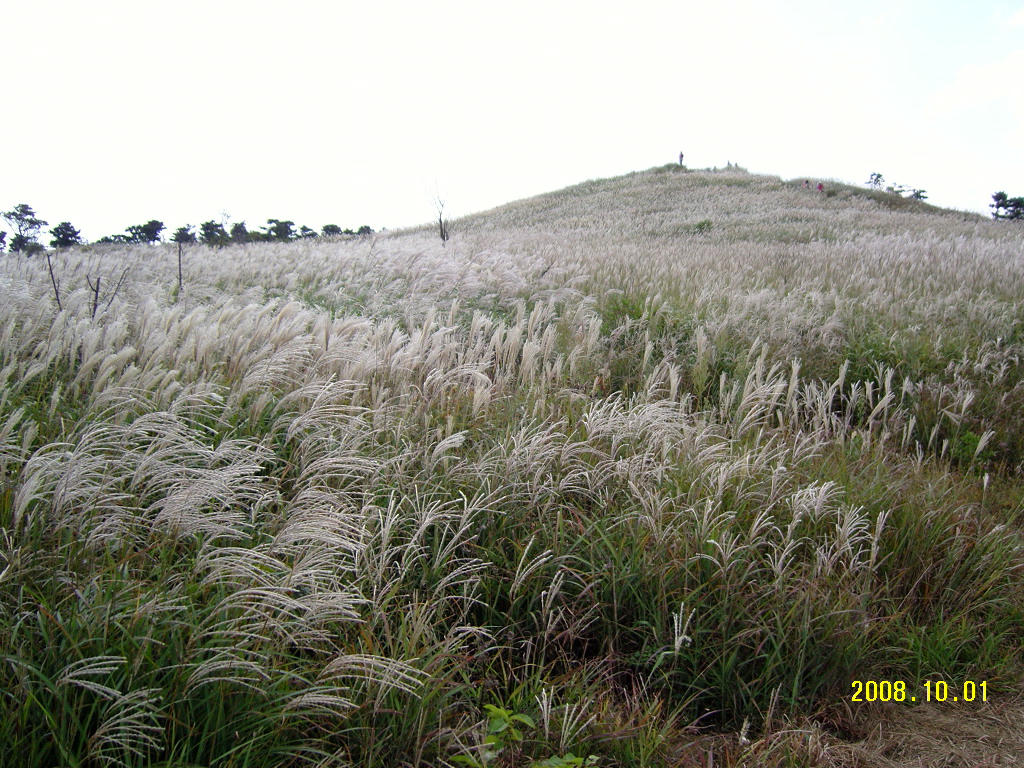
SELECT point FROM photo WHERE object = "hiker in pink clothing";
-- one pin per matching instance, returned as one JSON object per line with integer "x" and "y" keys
{"x": 821, "y": 187}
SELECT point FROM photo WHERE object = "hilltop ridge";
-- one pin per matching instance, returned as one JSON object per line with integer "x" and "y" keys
{"x": 670, "y": 200}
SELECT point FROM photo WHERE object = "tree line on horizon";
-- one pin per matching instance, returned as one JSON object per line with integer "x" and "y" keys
{"x": 27, "y": 227}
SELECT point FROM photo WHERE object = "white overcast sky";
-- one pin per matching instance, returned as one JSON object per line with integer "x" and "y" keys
{"x": 355, "y": 112}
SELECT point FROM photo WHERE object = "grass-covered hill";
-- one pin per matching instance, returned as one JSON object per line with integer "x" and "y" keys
{"x": 649, "y": 470}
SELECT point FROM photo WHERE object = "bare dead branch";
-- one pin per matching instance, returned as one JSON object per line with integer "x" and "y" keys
{"x": 95, "y": 293}
{"x": 55, "y": 281}
{"x": 117, "y": 287}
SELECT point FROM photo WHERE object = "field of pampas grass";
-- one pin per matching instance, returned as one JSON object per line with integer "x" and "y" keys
{"x": 650, "y": 471}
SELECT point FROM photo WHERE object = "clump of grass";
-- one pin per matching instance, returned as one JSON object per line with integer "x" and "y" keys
{"x": 625, "y": 485}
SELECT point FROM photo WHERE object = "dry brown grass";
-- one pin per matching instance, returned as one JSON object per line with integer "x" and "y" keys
{"x": 932, "y": 735}
{"x": 876, "y": 736}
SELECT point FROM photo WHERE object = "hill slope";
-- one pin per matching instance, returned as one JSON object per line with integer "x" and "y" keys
{"x": 671, "y": 451}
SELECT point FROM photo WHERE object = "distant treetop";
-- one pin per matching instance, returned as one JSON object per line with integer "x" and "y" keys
{"x": 1005, "y": 207}
{"x": 27, "y": 226}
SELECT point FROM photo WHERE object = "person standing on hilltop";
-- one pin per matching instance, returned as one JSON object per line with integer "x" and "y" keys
{"x": 680, "y": 158}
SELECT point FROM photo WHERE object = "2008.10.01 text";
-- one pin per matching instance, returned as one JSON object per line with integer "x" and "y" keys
{"x": 929, "y": 690}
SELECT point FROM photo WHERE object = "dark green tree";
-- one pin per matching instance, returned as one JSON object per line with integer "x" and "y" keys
{"x": 305, "y": 232}
{"x": 364, "y": 230}
{"x": 330, "y": 230}
{"x": 998, "y": 204}
{"x": 27, "y": 226}
{"x": 1003, "y": 207}
{"x": 213, "y": 233}
{"x": 65, "y": 235}
{"x": 876, "y": 181}
{"x": 279, "y": 230}
{"x": 184, "y": 235}
{"x": 240, "y": 233}
{"x": 145, "y": 233}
